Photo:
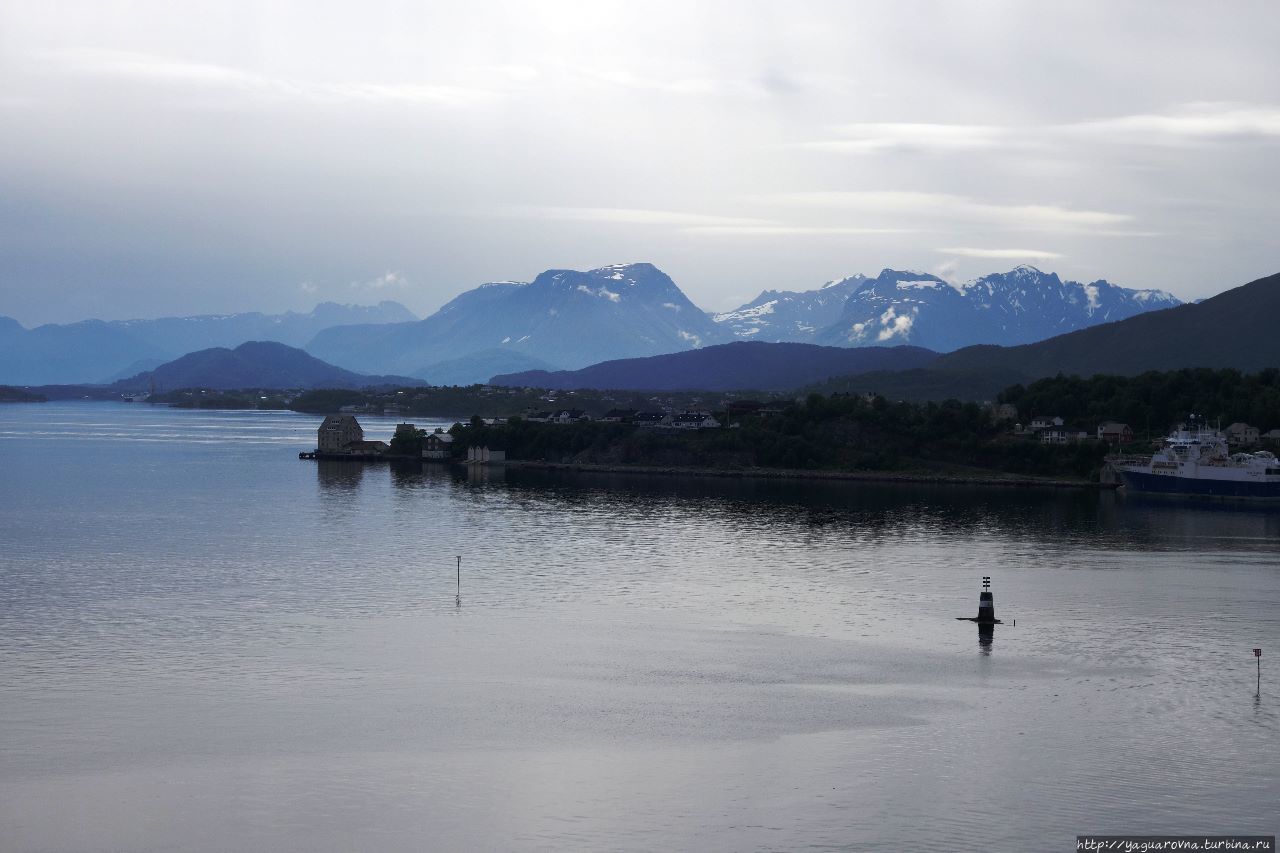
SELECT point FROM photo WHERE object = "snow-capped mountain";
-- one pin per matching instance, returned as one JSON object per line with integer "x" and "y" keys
{"x": 896, "y": 307}
{"x": 788, "y": 315}
{"x": 564, "y": 318}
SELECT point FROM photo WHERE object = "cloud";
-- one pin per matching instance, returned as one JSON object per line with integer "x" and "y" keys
{"x": 630, "y": 216}
{"x": 1032, "y": 217}
{"x": 308, "y": 288}
{"x": 947, "y": 271}
{"x": 791, "y": 230}
{"x": 603, "y": 293}
{"x": 158, "y": 69}
{"x": 386, "y": 280}
{"x": 894, "y": 324}
{"x": 1190, "y": 123}
{"x": 769, "y": 84}
{"x": 969, "y": 252}
{"x": 875, "y": 137}
{"x": 690, "y": 223}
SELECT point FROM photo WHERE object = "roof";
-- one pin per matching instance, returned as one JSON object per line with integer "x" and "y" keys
{"x": 440, "y": 436}
{"x": 338, "y": 421}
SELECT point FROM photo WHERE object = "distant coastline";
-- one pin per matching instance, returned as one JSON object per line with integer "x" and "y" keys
{"x": 9, "y": 394}
{"x": 799, "y": 474}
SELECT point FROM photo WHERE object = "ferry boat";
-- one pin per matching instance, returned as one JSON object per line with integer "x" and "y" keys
{"x": 1196, "y": 460}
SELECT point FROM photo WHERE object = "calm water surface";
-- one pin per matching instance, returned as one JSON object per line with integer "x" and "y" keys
{"x": 207, "y": 644}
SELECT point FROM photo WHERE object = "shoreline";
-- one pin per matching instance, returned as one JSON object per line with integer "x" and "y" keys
{"x": 798, "y": 474}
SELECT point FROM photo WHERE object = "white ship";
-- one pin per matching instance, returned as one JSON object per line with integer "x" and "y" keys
{"x": 1196, "y": 460}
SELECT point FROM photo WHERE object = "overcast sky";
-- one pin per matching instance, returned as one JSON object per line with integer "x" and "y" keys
{"x": 177, "y": 158}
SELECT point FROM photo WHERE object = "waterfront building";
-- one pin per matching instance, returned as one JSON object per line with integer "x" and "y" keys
{"x": 337, "y": 433}
{"x": 437, "y": 445}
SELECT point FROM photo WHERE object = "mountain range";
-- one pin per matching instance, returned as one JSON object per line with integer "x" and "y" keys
{"x": 1235, "y": 329}
{"x": 103, "y": 351}
{"x": 561, "y": 319}
{"x": 1016, "y": 307}
{"x": 567, "y": 319}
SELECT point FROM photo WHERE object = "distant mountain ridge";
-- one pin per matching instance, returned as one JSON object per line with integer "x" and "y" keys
{"x": 570, "y": 319}
{"x": 567, "y": 319}
{"x": 254, "y": 364}
{"x": 1235, "y": 329}
{"x": 789, "y": 315}
{"x": 1020, "y": 306}
{"x": 97, "y": 350}
{"x": 563, "y": 318}
{"x": 738, "y": 366}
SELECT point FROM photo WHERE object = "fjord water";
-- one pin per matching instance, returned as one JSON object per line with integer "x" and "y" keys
{"x": 208, "y": 644}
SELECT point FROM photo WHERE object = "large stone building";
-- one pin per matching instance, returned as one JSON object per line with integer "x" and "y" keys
{"x": 337, "y": 433}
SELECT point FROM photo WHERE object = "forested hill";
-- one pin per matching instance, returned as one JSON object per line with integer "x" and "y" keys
{"x": 256, "y": 364}
{"x": 755, "y": 365}
{"x": 1154, "y": 402}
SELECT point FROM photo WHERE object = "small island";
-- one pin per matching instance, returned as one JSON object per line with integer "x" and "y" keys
{"x": 10, "y": 394}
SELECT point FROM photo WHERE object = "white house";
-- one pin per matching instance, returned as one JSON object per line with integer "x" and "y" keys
{"x": 1241, "y": 434}
{"x": 1062, "y": 435}
{"x": 1040, "y": 423}
{"x": 485, "y": 456}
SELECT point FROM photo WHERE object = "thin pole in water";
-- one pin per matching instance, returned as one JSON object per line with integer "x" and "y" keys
{"x": 457, "y": 599}
{"x": 1257, "y": 654}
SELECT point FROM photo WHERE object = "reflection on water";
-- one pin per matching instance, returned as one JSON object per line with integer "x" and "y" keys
{"x": 641, "y": 662}
{"x": 339, "y": 476}
{"x": 986, "y": 636}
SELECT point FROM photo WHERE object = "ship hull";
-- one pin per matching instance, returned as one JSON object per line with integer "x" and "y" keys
{"x": 1166, "y": 484}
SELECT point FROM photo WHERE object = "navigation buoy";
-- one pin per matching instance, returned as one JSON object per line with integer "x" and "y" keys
{"x": 986, "y": 606}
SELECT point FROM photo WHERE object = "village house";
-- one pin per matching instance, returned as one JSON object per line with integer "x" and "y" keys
{"x": 1241, "y": 434}
{"x": 337, "y": 433}
{"x": 1113, "y": 432}
{"x": 619, "y": 416}
{"x": 1004, "y": 412}
{"x": 1040, "y": 423}
{"x": 1063, "y": 435}
{"x": 437, "y": 445}
{"x": 367, "y": 448}
{"x": 485, "y": 456}
{"x": 569, "y": 416}
{"x": 651, "y": 419}
{"x": 694, "y": 420}
{"x": 1273, "y": 435}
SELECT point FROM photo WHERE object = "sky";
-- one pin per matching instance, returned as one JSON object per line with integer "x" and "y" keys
{"x": 160, "y": 159}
